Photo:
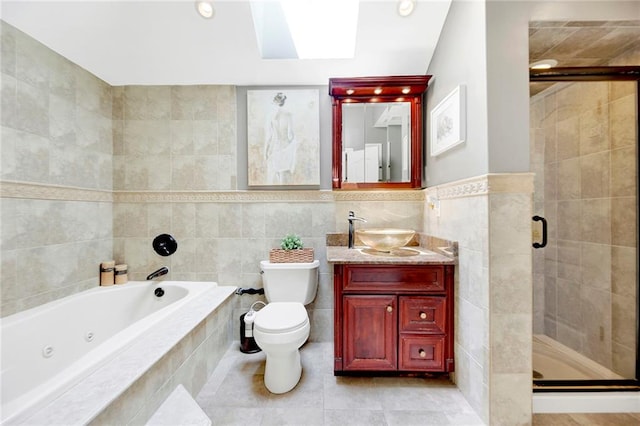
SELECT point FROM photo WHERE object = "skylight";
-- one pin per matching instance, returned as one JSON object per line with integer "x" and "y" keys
{"x": 294, "y": 29}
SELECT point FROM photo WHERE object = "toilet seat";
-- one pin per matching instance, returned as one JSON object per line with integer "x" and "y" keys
{"x": 281, "y": 317}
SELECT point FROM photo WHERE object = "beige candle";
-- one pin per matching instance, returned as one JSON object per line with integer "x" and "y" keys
{"x": 107, "y": 270}
{"x": 121, "y": 276}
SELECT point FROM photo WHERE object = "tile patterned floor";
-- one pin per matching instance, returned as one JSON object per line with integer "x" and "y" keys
{"x": 235, "y": 395}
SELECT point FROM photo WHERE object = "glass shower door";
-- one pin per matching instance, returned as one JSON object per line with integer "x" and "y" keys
{"x": 584, "y": 152}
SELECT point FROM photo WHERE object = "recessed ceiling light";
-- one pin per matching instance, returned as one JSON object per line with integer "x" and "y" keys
{"x": 377, "y": 91}
{"x": 543, "y": 64}
{"x": 350, "y": 91}
{"x": 205, "y": 9}
{"x": 406, "y": 90}
{"x": 405, "y": 7}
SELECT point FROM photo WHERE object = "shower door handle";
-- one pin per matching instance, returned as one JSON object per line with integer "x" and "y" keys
{"x": 544, "y": 231}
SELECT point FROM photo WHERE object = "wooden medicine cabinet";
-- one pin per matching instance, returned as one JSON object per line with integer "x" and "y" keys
{"x": 377, "y": 131}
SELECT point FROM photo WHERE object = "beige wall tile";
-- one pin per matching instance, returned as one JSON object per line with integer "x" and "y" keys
{"x": 511, "y": 400}
{"x": 594, "y": 130}
{"x": 624, "y": 271}
{"x": 510, "y": 347}
{"x": 594, "y": 95}
{"x": 569, "y": 263}
{"x": 623, "y": 320}
{"x": 596, "y": 260}
{"x": 550, "y": 298}
{"x": 624, "y": 360}
{"x": 596, "y": 223}
{"x": 619, "y": 89}
{"x": 569, "y": 309}
{"x": 550, "y": 176}
{"x": 569, "y": 179}
{"x": 623, "y": 221}
{"x": 183, "y": 220}
{"x": 568, "y": 133}
{"x": 595, "y": 175}
{"x": 623, "y": 121}
{"x": 596, "y": 327}
{"x": 567, "y": 226}
{"x": 568, "y": 102}
{"x": 623, "y": 172}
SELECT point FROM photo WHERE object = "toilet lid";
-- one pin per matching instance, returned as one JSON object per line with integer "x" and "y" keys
{"x": 280, "y": 317}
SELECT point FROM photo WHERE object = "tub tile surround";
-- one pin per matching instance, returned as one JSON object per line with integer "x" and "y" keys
{"x": 56, "y": 173}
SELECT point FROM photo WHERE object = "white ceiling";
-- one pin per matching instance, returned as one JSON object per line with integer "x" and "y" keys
{"x": 166, "y": 42}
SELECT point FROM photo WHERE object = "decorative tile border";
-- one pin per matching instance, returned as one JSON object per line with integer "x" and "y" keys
{"x": 481, "y": 185}
{"x": 393, "y": 195}
{"x": 502, "y": 183}
{"x": 257, "y": 196}
{"x": 38, "y": 191}
{"x": 10, "y": 189}
{"x": 221, "y": 196}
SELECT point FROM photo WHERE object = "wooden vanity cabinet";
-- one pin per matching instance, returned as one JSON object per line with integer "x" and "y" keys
{"x": 393, "y": 318}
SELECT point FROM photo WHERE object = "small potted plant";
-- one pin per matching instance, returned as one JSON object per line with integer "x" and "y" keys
{"x": 291, "y": 251}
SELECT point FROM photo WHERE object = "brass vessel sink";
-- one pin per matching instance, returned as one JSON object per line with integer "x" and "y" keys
{"x": 385, "y": 239}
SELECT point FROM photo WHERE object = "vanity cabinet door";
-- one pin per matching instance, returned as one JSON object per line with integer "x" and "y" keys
{"x": 370, "y": 332}
{"x": 423, "y": 314}
{"x": 421, "y": 353}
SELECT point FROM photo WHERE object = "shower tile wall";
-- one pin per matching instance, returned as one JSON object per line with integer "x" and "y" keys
{"x": 584, "y": 155}
{"x": 55, "y": 131}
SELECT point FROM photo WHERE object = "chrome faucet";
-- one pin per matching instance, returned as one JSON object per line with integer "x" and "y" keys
{"x": 160, "y": 272}
{"x": 351, "y": 218}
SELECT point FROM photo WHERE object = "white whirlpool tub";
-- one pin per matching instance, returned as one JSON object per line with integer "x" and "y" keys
{"x": 66, "y": 361}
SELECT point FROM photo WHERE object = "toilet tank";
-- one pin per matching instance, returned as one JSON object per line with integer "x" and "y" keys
{"x": 290, "y": 282}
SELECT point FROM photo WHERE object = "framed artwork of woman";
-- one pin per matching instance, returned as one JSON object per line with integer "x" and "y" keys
{"x": 283, "y": 137}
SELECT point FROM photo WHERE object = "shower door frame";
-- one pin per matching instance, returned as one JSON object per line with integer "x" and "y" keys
{"x": 588, "y": 74}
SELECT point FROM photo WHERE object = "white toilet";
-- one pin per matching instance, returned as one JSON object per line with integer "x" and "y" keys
{"x": 282, "y": 326}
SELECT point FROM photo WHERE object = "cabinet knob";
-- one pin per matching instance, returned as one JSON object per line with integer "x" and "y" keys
{"x": 422, "y": 353}
{"x": 423, "y": 315}
{"x": 389, "y": 308}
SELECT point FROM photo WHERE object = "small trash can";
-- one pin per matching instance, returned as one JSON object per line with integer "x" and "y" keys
{"x": 248, "y": 344}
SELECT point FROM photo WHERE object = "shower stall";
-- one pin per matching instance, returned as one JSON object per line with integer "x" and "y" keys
{"x": 584, "y": 153}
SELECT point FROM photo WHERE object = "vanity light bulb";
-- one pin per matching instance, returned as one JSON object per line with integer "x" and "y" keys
{"x": 377, "y": 91}
{"x": 350, "y": 91}
{"x": 406, "y": 90}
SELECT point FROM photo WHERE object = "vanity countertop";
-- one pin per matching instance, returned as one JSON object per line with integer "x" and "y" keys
{"x": 412, "y": 255}
{"x": 422, "y": 250}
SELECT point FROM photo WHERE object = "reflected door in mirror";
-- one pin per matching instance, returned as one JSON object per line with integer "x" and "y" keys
{"x": 377, "y": 131}
{"x": 375, "y": 142}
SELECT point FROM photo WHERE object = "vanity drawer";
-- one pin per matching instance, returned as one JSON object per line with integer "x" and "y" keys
{"x": 424, "y": 353}
{"x": 390, "y": 279}
{"x": 423, "y": 314}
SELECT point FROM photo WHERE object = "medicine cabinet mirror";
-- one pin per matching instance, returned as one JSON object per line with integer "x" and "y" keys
{"x": 377, "y": 131}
